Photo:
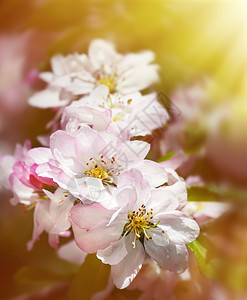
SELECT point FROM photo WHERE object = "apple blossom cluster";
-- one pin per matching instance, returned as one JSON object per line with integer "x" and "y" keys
{"x": 92, "y": 179}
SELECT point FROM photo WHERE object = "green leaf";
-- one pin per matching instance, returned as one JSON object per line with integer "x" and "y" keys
{"x": 200, "y": 254}
{"x": 167, "y": 156}
{"x": 91, "y": 278}
{"x": 201, "y": 193}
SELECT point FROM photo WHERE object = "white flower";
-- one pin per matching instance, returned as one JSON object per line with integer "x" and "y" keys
{"x": 146, "y": 222}
{"x": 134, "y": 112}
{"x": 79, "y": 74}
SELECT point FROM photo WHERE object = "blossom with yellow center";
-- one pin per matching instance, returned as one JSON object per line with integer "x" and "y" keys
{"x": 100, "y": 169}
{"x": 108, "y": 81}
{"x": 139, "y": 223}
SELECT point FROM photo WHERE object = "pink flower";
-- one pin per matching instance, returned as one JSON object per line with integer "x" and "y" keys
{"x": 21, "y": 168}
{"x": 146, "y": 222}
{"x": 79, "y": 74}
{"x": 89, "y": 164}
{"x": 22, "y": 193}
{"x": 51, "y": 214}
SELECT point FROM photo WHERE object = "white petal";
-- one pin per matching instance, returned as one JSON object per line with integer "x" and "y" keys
{"x": 135, "y": 178}
{"x": 153, "y": 172}
{"x": 114, "y": 253}
{"x": 162, "y": 201}
{"x": 124, "y": 273}
{"x": 46, "y": 76}
{"x": 172, "y": 257}
{"x": 179, "y": 228}
{"x": 126, "y": 195}
{"x": 132, "y": 59}
{"x": 61, "y": 204}
{"x": 72, "y": 253}
{"x": 101, "y": 53}
{"x": 180, "y": 191}
{"x": 89, "y": 144}
{"x": 158, "y": 237}
{"x": 137, "y": 79}
{"x": 132, "y": 152}
{"x": 47, "y": 98}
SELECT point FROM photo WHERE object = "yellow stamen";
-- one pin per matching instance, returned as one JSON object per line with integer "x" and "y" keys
{"x": 139, "y": 223}
{"x": 97, "y": 172}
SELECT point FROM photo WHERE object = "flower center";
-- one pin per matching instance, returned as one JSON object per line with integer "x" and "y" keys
{"x": 139, "y": 222}
{"x": 109, "y": 81}
{"x": 102, "y": 170}
{"x": 97, "y": 172}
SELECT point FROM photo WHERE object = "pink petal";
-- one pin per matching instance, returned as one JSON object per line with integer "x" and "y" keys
{"x": 176, "y": 161}
{"x": 63, "y": 142}
{"x": 87, "y": 216}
